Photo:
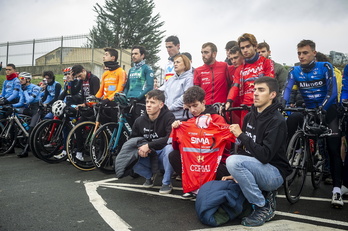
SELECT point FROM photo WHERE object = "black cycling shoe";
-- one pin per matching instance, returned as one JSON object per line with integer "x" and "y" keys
{"x": 23, "y": 154}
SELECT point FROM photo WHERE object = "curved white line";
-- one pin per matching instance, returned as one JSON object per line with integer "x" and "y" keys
{"x": 109, "y": 216}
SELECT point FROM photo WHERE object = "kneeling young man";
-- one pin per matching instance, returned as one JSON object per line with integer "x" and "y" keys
{"x": 150, "y": 133}
{"x": 261, "y": 167}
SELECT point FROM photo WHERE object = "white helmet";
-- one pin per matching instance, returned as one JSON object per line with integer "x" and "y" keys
{"x": 58, "y": 108}
{"x": 25, "y": 75}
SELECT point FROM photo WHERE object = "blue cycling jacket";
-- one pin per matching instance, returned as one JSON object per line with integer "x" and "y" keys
{"x": 10, "y": 89}
{"x": 317, "y": 87}
{"x": 30, "y": 95}
{"x": 344, "y": 92}
{"x": 51, "y": 93}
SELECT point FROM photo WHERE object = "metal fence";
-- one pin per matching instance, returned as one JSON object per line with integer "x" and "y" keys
{"x": 24, "y": 53}
{"x": 56, "y": 53}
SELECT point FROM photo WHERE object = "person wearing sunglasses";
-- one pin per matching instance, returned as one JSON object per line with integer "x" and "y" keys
{"x": 29, "y": 97}
{"x": 10, "y": 87}
{"x": 52, "y": 90}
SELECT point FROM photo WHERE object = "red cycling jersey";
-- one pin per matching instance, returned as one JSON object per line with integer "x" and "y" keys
{"x": 201, "y": 151}
{"x": 215, "y": 81}
{"x": 244, "y": 78}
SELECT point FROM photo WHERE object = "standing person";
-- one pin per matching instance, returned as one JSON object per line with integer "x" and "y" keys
{"x": 140, "y": 77}
{"x": 113, "y": 80}
{"x": 176, "y": 86}
{"x": 228, "y": 47}
{"x": 28, "y": 103}
{"x": 237, "y": 59}
{"x": 213, "y": 76}
{"x": 52, "y": 90}
{"x": 11, "y": 86}
{"x": 86, "y": 84}
{"x": 149, "y": 138}
{"x": 318, "y": 87}
{"x": 173, "y": 49}
{"x": 280, "y": 72}
{"x": 262, "y": 166}
{"x": 344, "y": 101}
{"x": 254, "y": 66}
{"x": 186, "y": 142}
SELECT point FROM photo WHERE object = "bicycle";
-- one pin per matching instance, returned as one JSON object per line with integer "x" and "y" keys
{"x": 304, "y": 153}
{"x": 13, "y": 129}
{"x": 86, "y": 130}
{"x": 109, "y": 138}
{"x": 48, "y": 138}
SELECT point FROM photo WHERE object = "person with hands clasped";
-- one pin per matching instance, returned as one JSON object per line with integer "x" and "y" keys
{"x": 261, "y": 166}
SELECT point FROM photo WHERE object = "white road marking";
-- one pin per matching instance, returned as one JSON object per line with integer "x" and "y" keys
{"x": 117, "y": 223}
{"x": 109, "y": 216}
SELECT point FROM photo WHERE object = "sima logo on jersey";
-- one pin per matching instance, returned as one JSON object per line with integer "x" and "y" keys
{"x": 197, "y": 140}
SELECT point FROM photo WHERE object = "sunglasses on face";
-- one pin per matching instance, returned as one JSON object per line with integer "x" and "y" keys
{"x": 8, "y": 69}
{"x": 21, "y": 78}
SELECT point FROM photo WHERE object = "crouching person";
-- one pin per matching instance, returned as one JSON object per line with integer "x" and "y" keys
{"x": 261, "y": 167}
{"x": 147, "y": 149}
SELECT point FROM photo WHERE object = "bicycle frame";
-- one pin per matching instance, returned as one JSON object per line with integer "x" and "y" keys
{"x": 115, "y": 138}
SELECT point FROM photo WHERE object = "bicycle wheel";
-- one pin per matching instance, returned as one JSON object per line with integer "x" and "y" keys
{"x": 296, "y": 153}
{"x": 8, "y": 136}
{"x": 105, "y": 146}
{"x": 79, "y": 139}
{"x": 317, "y": 164}
{"x": 32, "y": 136}
{"x": 51, "y": 140}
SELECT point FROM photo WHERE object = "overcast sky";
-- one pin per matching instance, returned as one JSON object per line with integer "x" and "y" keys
{"x": 281, "y": 23}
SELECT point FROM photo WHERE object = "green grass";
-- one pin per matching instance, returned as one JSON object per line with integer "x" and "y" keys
{"x": 59, "y": 78}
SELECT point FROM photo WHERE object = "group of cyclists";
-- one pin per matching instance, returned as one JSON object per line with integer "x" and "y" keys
{"x": 230, "y": 82}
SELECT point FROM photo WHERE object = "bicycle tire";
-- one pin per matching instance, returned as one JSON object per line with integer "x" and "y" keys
{"x": 50, "y": 135}
{"x": 7, "y": 142}
{"x": 87, "y": 129}
{"x": 297, "y": 152}
{"x": 102, "y": 151}
{"x": 317, "y": 168}
{"x": 31, "y": 139}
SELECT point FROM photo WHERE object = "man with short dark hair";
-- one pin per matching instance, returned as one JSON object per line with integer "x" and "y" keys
{"x": 279, "y": 70}
{"x": 261, "y": 166}
{"x": 228, "y": 47}
{"x": 318, "y": 87}
{"x": 52, "y": 90}
{"x": 113, "y": 79}
{"x": 213, "y": 76}
{"x": 173, "y": 48}
{"x": 140, "y": 77}
{"x": 11, "y": 86}
{"x": 150, "y": 133}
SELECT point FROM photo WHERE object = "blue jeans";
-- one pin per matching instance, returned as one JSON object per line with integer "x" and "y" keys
{"x": 254, "y": 177}
{"x": 143, "y": 166}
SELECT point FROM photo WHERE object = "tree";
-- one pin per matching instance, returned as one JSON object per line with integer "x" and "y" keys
{"x": 125, "y": 23}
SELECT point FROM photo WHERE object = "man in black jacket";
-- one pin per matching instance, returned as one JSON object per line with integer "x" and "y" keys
{"x": 261, "y": 167}
{"x": 150, "y": 133}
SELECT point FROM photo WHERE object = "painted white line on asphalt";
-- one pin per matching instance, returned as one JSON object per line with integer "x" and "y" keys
{"x": 138, "y": 188}
{"x": 312, "y": 198}
{"x": 274, "y": 226}
{"x": 110, "y": 217}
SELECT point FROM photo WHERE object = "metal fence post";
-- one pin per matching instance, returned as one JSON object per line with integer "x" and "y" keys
{"x": 8, "y": 47}
{"x": 61, "y": 51}
{"x": 33, "y": 59}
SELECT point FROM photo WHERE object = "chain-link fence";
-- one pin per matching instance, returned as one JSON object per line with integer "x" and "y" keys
{"x": 54, "y": 54}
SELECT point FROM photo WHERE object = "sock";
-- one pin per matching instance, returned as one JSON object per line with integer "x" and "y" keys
{"x": 336, "y": 190}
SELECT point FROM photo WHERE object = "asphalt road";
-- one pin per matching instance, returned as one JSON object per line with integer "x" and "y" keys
{"x": 35, "y": 195}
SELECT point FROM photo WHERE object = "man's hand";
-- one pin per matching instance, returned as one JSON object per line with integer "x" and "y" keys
{"x": 229, "y": 178}
{"x": 227, "y": 105}
{"x": 235, "y": 129}
{"x": 176, "y": 124}
{"x": 144, "y": 150}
